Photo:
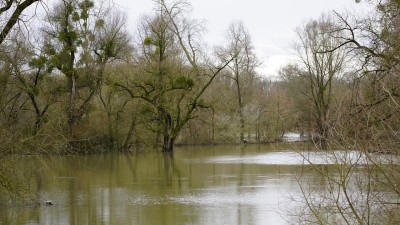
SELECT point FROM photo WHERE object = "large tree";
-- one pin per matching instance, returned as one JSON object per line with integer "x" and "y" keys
{"x": 375, "y": 46}
{"x": 174, "y": 71}
{"x": 369, "y": 124}
{"x": 80, "y": 43}
{"x": 240, "y": 48}
{"x": 319, "y": 68}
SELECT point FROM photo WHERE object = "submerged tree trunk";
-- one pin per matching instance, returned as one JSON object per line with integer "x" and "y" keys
{"x": 168, "y": 144}
{"x": 127, "y": 143}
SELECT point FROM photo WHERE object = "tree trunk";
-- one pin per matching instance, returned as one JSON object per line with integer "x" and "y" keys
{"x": 242, "y": 140}
{"x": 127, "y": 143}
{"x": 111, "y": 136}
{"x": 240, "y": 103}
{"x": 258, "y": 129}
{"x": 213, "y": 128}
{"x": 168, "y": 145}
{"x": 322, "y": 132}
{"x": 72, "y": 120}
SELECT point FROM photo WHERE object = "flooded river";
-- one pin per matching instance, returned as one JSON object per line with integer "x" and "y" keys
{"x": 251, "y": 184}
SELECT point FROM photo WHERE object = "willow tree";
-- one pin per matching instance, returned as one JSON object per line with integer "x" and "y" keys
{"x": 172, "y": 72}
{"x": 321, "y": 67}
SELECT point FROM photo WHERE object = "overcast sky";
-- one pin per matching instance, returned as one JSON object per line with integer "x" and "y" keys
{"x": 271, "y": 23}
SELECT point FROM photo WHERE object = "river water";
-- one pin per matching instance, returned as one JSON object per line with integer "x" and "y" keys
{"x": 252, "y": 184}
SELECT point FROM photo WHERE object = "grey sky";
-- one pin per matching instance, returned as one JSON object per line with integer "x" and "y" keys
{"x": 271, "y": 23}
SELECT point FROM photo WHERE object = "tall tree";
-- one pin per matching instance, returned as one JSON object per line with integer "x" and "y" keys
{"x": 369, "y": 124}
{"x": 321, "y": 67}
{"x": 80, "y": 46}
{"x": 374, "y": 43}
{"x": 242, "y": 67}
{"x": 174, "y": 75}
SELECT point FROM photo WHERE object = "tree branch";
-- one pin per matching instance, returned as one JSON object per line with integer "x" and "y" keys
{"x": 14, "y": 18}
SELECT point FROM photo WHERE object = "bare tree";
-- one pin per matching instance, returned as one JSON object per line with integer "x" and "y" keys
{"x": 363, "y": 187}
{"x": 176, "y": 73}
{"x": 321, "y": 67}
{"x": 242, "y": 67}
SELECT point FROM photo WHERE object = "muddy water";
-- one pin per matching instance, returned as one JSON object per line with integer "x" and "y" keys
{"x": 196, "y": 185}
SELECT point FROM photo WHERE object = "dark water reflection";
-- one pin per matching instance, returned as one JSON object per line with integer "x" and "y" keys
{"x": 195, "y": 185}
